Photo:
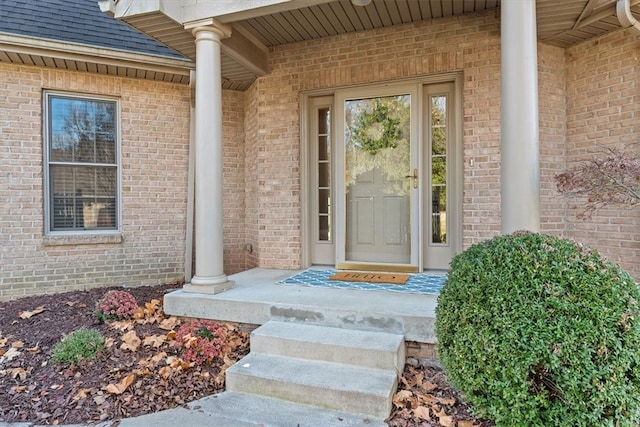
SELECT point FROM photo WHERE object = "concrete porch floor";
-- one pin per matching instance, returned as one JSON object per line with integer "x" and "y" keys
{"x": 256, "y": 299}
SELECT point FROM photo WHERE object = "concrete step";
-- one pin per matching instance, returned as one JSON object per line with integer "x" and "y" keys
{"x": 377, "y": 350}
{"x": 327, "y": 385}
{"x": 230, "y": 409}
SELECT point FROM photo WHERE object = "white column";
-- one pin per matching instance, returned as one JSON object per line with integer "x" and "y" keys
{"x": 520, "y": 146}
{"x": 209, "y": 276}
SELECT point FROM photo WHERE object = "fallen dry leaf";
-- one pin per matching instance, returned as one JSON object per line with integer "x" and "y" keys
{"x": 122, "y": 385}
{"x": 446, "y": 400}
{"x": 3, "y": 342}
{"x": 400, "y": 397}
{"x": 177, "y": 363}
{"x": 29, "y": 314}
{"x": 467, "y": 423}
{"x": 190, "y": 341}
{"x": 165, "y": 372}
{"x": 429, "y": 386}
{"x": 169, "y": 323}
{"x": 427, "y": 398}
{"x": 19, "y": 388}
{"x": 122, "y": 325}
{"x": 152, "y": 306}
{"x": 158, "y": 357}
{"x": 19, "y": 373}
{"x": 17, "y": 344}
{"x": 9, "y": 355}
{"x": 82, "y": 394}
{"x": 444, "y": 419}
{"x": 154, "y": 340}
{"x": 144, "y": 372}
{"x": 422, "y": 412}
{"x": 130, "y": 341}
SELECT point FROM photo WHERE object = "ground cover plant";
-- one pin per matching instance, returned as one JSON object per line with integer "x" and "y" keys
{"x": 78, "y": 346}
{"x": 540, "y": 331}
{"x": 145, "y": 365}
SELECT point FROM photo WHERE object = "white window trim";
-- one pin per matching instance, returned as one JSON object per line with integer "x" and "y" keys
{"x": 65, "y": 237}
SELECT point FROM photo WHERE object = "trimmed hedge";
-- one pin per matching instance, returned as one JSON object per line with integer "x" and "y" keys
{"x": 536, "y": 330}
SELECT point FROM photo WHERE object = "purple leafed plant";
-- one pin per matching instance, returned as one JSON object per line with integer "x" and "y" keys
{"x": 614, "y": 179}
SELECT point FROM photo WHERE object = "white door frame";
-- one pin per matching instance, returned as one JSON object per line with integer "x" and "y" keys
{"x": 339, "y": 188}
{"x": 456, "y": 173}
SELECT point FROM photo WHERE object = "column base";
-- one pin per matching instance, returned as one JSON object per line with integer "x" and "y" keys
{"x": 209, "y": 285}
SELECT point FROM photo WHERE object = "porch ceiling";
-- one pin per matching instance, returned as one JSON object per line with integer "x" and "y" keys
{"x": 560, "y": 23}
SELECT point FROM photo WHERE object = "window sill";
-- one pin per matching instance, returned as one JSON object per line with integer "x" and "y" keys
{"x": 86, "y": 239}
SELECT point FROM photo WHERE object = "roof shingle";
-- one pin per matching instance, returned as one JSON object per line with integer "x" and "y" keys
{"x": 77, "y": 21}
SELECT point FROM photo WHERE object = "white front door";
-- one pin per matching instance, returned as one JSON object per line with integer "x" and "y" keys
{"x": 377, "y": 196}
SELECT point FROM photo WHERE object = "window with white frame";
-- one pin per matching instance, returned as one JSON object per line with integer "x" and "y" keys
{"x": 81, "y": 163}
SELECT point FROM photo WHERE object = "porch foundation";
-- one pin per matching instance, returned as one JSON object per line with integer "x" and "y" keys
{"x": 257, "y": 299}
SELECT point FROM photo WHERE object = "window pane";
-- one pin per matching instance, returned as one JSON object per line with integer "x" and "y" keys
{"x": 323, "y": 121}
{"x": 83, "y": 197}
{"x": 324, "y": 203}
{"x": 82, "y": 130}
{"x": 439, "y": 169}
{"x": 324, "y": 231}
{"x": 324, "y": 174}
{"x": 323, "y": 147}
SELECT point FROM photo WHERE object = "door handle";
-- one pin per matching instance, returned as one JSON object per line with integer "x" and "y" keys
{"x": 415, "y": 178}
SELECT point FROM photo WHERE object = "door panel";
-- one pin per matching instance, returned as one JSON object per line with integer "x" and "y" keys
{"x": 377, "y": 150}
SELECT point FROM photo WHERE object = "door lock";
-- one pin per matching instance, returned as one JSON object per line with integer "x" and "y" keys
{"x": 415, "y": 178}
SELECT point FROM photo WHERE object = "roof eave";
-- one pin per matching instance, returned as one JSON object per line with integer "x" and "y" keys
{"x": 68, "y": 51}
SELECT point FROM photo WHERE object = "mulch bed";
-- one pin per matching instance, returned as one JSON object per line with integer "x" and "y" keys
{"x": 127, "y": 381}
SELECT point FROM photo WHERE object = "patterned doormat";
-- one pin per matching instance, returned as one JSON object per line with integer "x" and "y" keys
{"x": 418, "y": 283}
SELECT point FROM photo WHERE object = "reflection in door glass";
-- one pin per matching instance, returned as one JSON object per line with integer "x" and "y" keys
{"x": 324, "y": 175}
{"x": 439, "y": 169}
{"x": 377, "y": 187}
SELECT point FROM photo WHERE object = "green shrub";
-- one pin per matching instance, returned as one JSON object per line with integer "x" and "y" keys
{"x": 540, "y": 331}
{"x": 79, "y": 345}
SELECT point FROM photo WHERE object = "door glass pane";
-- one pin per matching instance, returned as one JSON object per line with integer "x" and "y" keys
{"x": 324, "y": 175}
{"x": 439, "y": 169}
{"x": 377, "y": 189}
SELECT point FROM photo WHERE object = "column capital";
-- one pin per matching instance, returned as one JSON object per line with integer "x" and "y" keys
{"x": 209, "y": 25}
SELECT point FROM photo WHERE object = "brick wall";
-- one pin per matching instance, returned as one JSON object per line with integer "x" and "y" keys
{"x": 467, "y": 43}
{"x": 155, "y": 135}
{"x": 252, "y": 214}
{"x": 233, "y": 117}
{"x": 603, "y": 90}
{"x": 552, "y": 71}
